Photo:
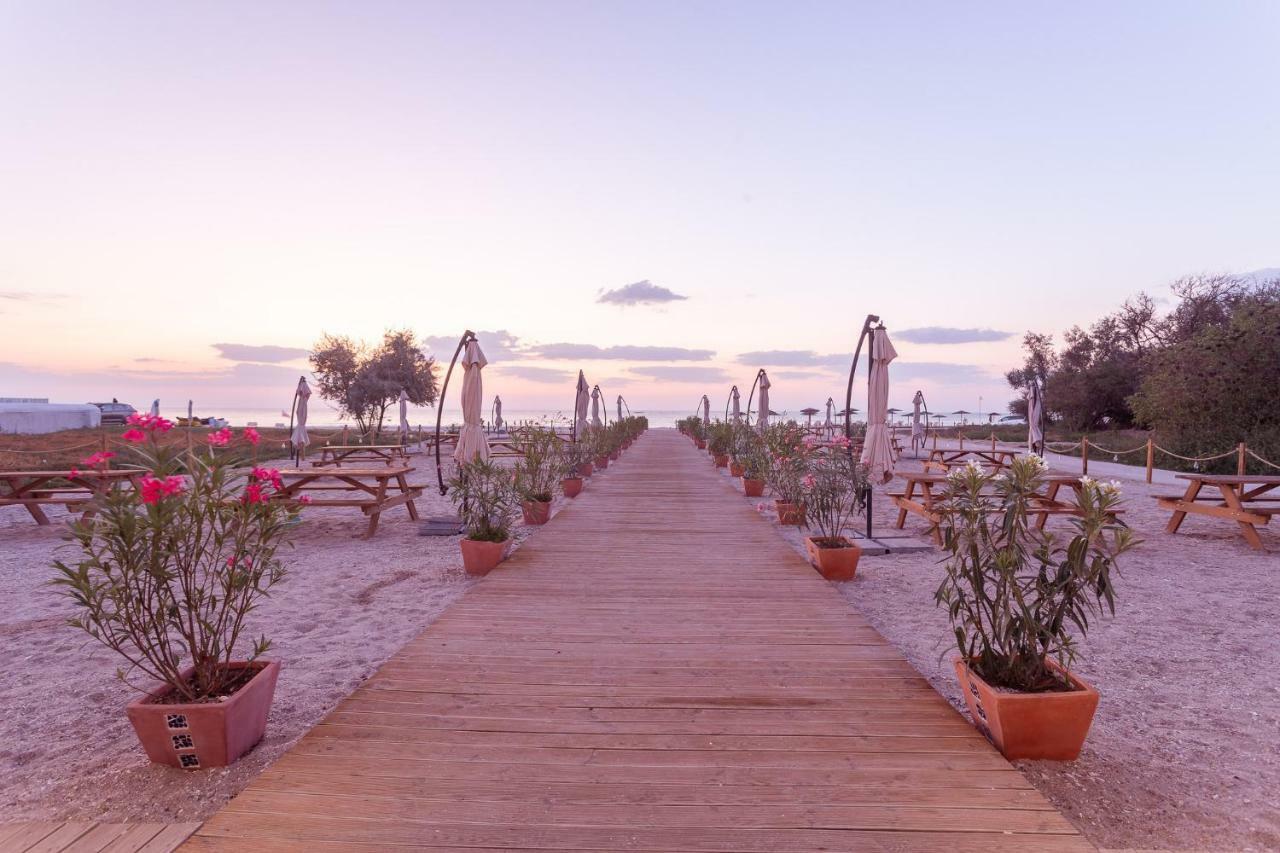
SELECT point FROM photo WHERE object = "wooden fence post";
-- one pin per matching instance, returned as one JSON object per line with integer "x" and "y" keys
{"x": 1084, "y": 454}
{"x": 993, "y": 442}
{"x": 1151, "y": 458}
{"x": 1240, "y": 466}
{"x": 959, "y": 433}
{"x": 344, "y": 436}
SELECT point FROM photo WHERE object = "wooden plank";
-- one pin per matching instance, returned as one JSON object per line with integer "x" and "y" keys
{"x": 62, "y": 838}
{"x": 651, "y": 681}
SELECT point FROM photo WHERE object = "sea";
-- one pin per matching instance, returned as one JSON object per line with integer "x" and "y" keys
{"x": 321, "y": 415}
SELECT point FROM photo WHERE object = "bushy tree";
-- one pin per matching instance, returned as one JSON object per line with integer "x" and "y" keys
{"x": 365, "y": 382}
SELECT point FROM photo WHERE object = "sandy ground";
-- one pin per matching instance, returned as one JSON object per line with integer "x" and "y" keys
{"x": 68, "y": 752}
{"x": 1184, "y": 752}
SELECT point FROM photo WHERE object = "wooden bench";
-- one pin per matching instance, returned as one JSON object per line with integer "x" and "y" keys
{"x": 390, "y": 488}
{"x": 1240, "y": 498}
{"x": 33, "y": 489}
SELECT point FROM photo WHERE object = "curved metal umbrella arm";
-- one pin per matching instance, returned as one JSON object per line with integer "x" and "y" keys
{"x": 853, "y": 369}
{"x": 752, "y": 395}
{"x": 293, "y": 410}
{"x": 466, "y": 338}
{"x": 604, "y": 409}
{"x": 728, "y": 401}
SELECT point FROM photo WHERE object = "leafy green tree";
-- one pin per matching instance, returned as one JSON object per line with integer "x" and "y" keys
{"x": 365, "y": 382}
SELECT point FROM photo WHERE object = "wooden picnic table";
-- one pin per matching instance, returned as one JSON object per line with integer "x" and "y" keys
{"x": 31, "y": 489}
{"x": 1242, "y": 498}
{"x": 336, "y": 454}
{"x": 955, "y": 456}
{"x": 924, "y": 490}
{"x": 389, "y": 487}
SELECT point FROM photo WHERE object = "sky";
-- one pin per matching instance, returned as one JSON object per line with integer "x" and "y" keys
{"x": 665, "y": 195}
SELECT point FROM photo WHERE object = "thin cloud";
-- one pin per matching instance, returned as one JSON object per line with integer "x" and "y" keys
{"x": 940, "y": 371}
{"x": 948, "y": 335}
{"x": 622, "y": 352}
{"x": 800, "y": 375}
{"x": 261, "y": 353}
{"x": 496, "y": 345}
{"x": 674, "y": 373}
{"x": 793, "y": 358}
{"x": 639, "y": 293}
{"x": 530, "y": 373}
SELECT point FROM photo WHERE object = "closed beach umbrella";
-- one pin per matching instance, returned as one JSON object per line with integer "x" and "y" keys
{"x": 299, "y": 438}
{"x": 877, "y": 450}
{"x": 580, "y": 405}
{"x": 619, "y": 407}
{"x": 472, "y": 442}
{"x": 917, "y": 428}
{"x": 595, "y": 408}
{"x": 155, "y": 408}
{"x": 404, "y": 416}
{"x": 735, "y": 404}
{"x": 706, "y": 409}
{"x": 831, "y": 407}
{"x": 497, "y": 413}
{"x": 762, "y": 420}
{"x": 1035, "y": 419}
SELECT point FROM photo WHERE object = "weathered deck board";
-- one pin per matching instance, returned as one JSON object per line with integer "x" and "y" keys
{"x": 92, "y": 837}
{"x": 657, "y": 670}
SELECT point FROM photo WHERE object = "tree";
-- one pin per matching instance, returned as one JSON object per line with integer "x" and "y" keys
{"x": 363, "y": 383}
{"x": 1039, "y": 362}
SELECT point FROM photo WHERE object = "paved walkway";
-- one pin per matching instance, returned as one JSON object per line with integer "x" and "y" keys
{"x": 656, "y": 670}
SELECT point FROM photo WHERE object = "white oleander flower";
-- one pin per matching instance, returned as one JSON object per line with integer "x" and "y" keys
{"x": 1111, "y": 487}
{"x": 1086, "y": 480}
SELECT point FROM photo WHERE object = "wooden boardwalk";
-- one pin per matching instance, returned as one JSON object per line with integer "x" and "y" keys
{"x": 74, "y": 836}
{"x": 656, "y": 670}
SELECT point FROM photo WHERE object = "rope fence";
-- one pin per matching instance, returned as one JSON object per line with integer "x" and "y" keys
{"x": 1241, "y": 452}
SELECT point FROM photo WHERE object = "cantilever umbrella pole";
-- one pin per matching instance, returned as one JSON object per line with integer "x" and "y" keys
{"x": 752, "y": 395}
{"x": 467, "y": 337}
{"x": 293, "y": 409}
{"x": 848, "y": 400}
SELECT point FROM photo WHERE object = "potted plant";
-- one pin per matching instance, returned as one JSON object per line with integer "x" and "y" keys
{"x": 834, "y": 494}
{"x": 597, "y": 441}
{"x": 1019, "y": 599}
{"x": 573, "y": 461}
{"x": 788, "y": 464}
{"x": 755, "y": 463}
{"x": 167, "y": 577}
{"x": 485, "y": 495}
{"x": 718, "y": 442}
{"x": 541, "y": 465}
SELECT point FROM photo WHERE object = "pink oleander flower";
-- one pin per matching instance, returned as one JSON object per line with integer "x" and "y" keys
{"x": 760, "y": 507}
{"x": 134, "y": 435}
{"x": 252, "y": 436}
{"x": 155, "y": 489}
{"x": 97, "y": 459}
{"x": 808, "y": 481}
{"x": 174, "y": 485}
{"x": 75, "y": 472}
{"x": 305, "y": 499}
{"x": 268, "y": 475}
{"x": 255, "y": 493}
{"x": 247, "y": 562}
{"x": 150, "y": 423}
{"x": 221, "y": 438}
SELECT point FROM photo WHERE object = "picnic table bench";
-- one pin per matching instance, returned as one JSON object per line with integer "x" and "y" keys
{"x": 924, "y": 491}
{"x": 1242, "y": 498}
{"x": 389, "y": 488}
{"x": 72, "y": 489}
{"x": 337, "y": 454}
{"x": 955, "y": 456}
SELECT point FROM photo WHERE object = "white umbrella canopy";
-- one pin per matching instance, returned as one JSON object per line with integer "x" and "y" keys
{"x": 155, "y": 408}
{"x": 497, "y": 413}
{"x": 706, "y": 409}
{"x": 472, "y": 442}
{"x": 299, "y": 438}
{"x": 917, "y": 428}
{"x": 877, "y": 450}
{"x": 404, "y": 416}
{"x": 1035, "y": 416}
{"x": 762, "y": 420}
{"x": 595, "y": 408}
{"x": 580, "y": 405}
{"x": 831, "y": 407}
{"x": 735, "y": 403}
{"x": 619, "y": 407}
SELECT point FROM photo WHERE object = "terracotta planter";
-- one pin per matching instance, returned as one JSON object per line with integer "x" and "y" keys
{"x": 722, "y": 461}
{"x": 572, "y": 486}
{"x": 753, "y": 488}
{"x": 613, "y": 457}
{"x": 1046, "y": 726}
{"x": 479, "y": 558}
{"x": 701, "y": 445}
{"x": 789, "y": 513}
{"x": 536, "y": 512}
{"x": 602, "y": 462}
{"x": 588, "y": 469}
{"x": 835, "y": 563}
{"x": 736, "y": 469}
{"x": 206, "y": 734}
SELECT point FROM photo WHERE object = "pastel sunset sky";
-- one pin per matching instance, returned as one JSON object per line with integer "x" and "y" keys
{"x": 668, "y": 195}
